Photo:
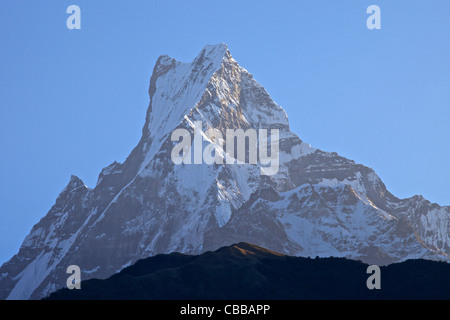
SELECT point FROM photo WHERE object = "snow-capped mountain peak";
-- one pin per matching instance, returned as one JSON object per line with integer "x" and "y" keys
{"x": 316, "y": 204}
{"x": 176, "y": 87}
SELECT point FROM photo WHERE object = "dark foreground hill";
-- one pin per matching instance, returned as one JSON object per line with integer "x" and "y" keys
{"x": 245, "y": 271}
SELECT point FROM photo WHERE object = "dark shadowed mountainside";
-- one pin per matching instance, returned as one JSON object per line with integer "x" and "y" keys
{"x": 246, "y": 272}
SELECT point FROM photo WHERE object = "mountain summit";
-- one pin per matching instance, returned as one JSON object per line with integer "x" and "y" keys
{"x": 317, "y": 204}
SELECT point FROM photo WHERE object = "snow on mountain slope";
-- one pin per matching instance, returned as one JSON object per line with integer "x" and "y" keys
{"x": 317, "y": 204}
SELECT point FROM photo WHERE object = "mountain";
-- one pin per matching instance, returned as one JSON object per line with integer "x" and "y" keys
{"x": 317, "y": 203}
{"x": 247, "y": 272}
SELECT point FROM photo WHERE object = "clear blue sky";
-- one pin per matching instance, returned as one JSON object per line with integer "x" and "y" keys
{"x": 74, "y": 101}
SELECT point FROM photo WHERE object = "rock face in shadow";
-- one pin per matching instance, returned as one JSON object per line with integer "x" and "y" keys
{"x": 318, "y": 203}
{"x": 246, "y": 272}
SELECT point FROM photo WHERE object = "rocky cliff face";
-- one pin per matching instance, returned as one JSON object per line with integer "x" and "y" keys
{"x": 317, "y": 204}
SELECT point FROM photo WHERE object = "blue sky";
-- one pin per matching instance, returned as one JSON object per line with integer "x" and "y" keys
{"x": 74, "y": 101}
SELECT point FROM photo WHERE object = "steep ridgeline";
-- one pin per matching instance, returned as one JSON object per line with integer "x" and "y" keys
{"x": 317, "y": 204}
